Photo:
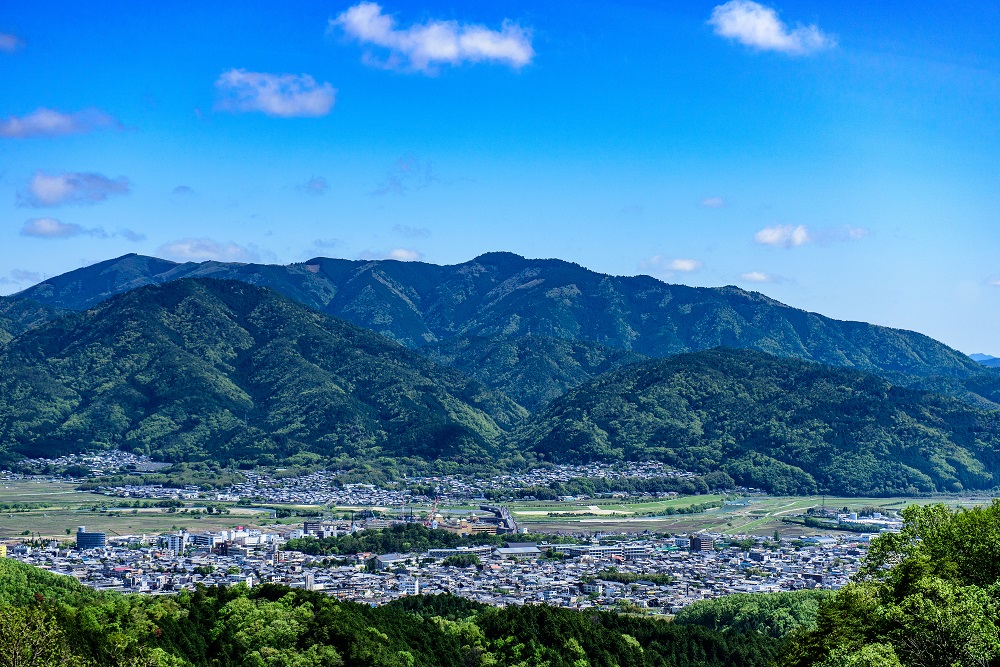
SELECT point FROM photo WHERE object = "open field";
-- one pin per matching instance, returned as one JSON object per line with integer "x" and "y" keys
{"x": 61, "y": 507}
{"x": 760, "y": 515}
{"x": 64, "y": 508}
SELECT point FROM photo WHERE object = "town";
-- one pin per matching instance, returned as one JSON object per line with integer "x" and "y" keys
{"x": 659, "y": 573}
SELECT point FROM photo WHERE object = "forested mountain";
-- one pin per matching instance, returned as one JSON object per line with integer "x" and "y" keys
{"x": 219, "y": 369}
{"x": 502, "y": 294}
{"x": 224, "y": 370}
{"x": 784, "y": 425}
{"x": 531, "y": 370}
{"x": 18, "y": 314}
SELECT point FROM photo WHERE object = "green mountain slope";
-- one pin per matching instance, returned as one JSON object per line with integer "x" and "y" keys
{"x": 531, "y": 370}
{"x": 783, "y": 425}
{"x": 18, "y": 314}
{"x": 501, "y": 294}
{"x": 224, "y": 370}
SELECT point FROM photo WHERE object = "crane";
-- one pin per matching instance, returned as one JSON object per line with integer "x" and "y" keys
{"x": 431, "y": 521}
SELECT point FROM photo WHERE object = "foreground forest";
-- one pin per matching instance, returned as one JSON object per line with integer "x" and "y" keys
{"x": 926, "y": 597}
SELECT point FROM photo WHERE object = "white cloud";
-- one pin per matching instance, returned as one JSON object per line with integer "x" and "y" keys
{"x": 316, "y": 185}
{"x": 9, "y": 43}
{"x": 203, "y": 249}
{"x": 70, "y": 188}
{"x": 783, "y": 236}
{"x": 685, "y": 265}
{"x": 713, "y": 202}
{"x": 761, "y": 277}
{"x": 993, "y": 282}
{"x": 787, "y": 236}
{"x": 51, "y": 123}
{"x": 401, "y": 254}
{"x": 759, "y": 27}
{"x": 283, "y": 95}
{"x": 422, "y": 47}
{"x": 667, "y": 267}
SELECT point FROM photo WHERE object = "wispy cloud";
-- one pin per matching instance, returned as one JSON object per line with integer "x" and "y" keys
{"x": 51, "y": 228}
{"x": 204, "y": 249}
{"x": 9, "y": 43}
{"x": 667, "y": 267}
{"x": 70, "y": 188}
{"x": 281, "y": 95}
{"x": 713, "y": 202}
{"x": 409, "y": 173}
{"x": 327, "y": 244}
{"x": 25, "y": 276}
{"x": 54, "y": 228}
{"x": 759, "y": 27}
{"x": 317, "y": 185}
{"x": 788, "y": 236}
{"x": 401, "y": 254}
{"x": 760, "y": 277}
{"x": 411, "y": 232}
{"x": 422, "y": 47}
{"x": 130, "y": 235}
{"x": 51, "y": 123}
{"x": 632, "y": 210}
{"x": 183, "y": 191}
{"x": 783, "y": 236}
{"x": 993, "y": 282}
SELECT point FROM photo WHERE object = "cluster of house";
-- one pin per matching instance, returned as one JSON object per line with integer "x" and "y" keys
{"x": 666, "y": 573}
{"x": 325, "y": 487}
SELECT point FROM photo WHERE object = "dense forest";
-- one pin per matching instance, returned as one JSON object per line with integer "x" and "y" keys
{"x": 781, "y": 424}
{"x": 402, "y": 538}
{"x": 49, "y": 620}
{"x": 227, "y": 371}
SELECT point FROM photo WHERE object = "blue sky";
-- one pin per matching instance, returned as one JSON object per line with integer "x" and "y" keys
{"x": 839, "y": 157}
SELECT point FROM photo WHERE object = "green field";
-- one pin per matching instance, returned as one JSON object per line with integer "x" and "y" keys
{"x": 64, "y": 509}
{"x": 762, "y": 515}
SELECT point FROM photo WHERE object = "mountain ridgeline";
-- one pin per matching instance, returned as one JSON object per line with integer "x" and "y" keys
{"x": 224, "y": 370}
{"x": 502, "y": 294}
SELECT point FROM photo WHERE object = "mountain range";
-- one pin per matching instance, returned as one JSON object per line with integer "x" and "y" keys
{"x": 502, "y": 294}
{"x": 218, "y": 369}
{"x": 500, "y": 359}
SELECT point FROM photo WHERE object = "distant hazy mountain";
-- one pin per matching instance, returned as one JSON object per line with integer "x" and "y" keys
{"x": 986, "y": 360}
{"x": 780, "y": 424}
{"x": 501, "y": 294}
{"x": 224, "y": 370}
{"x": 531, "y": 370}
